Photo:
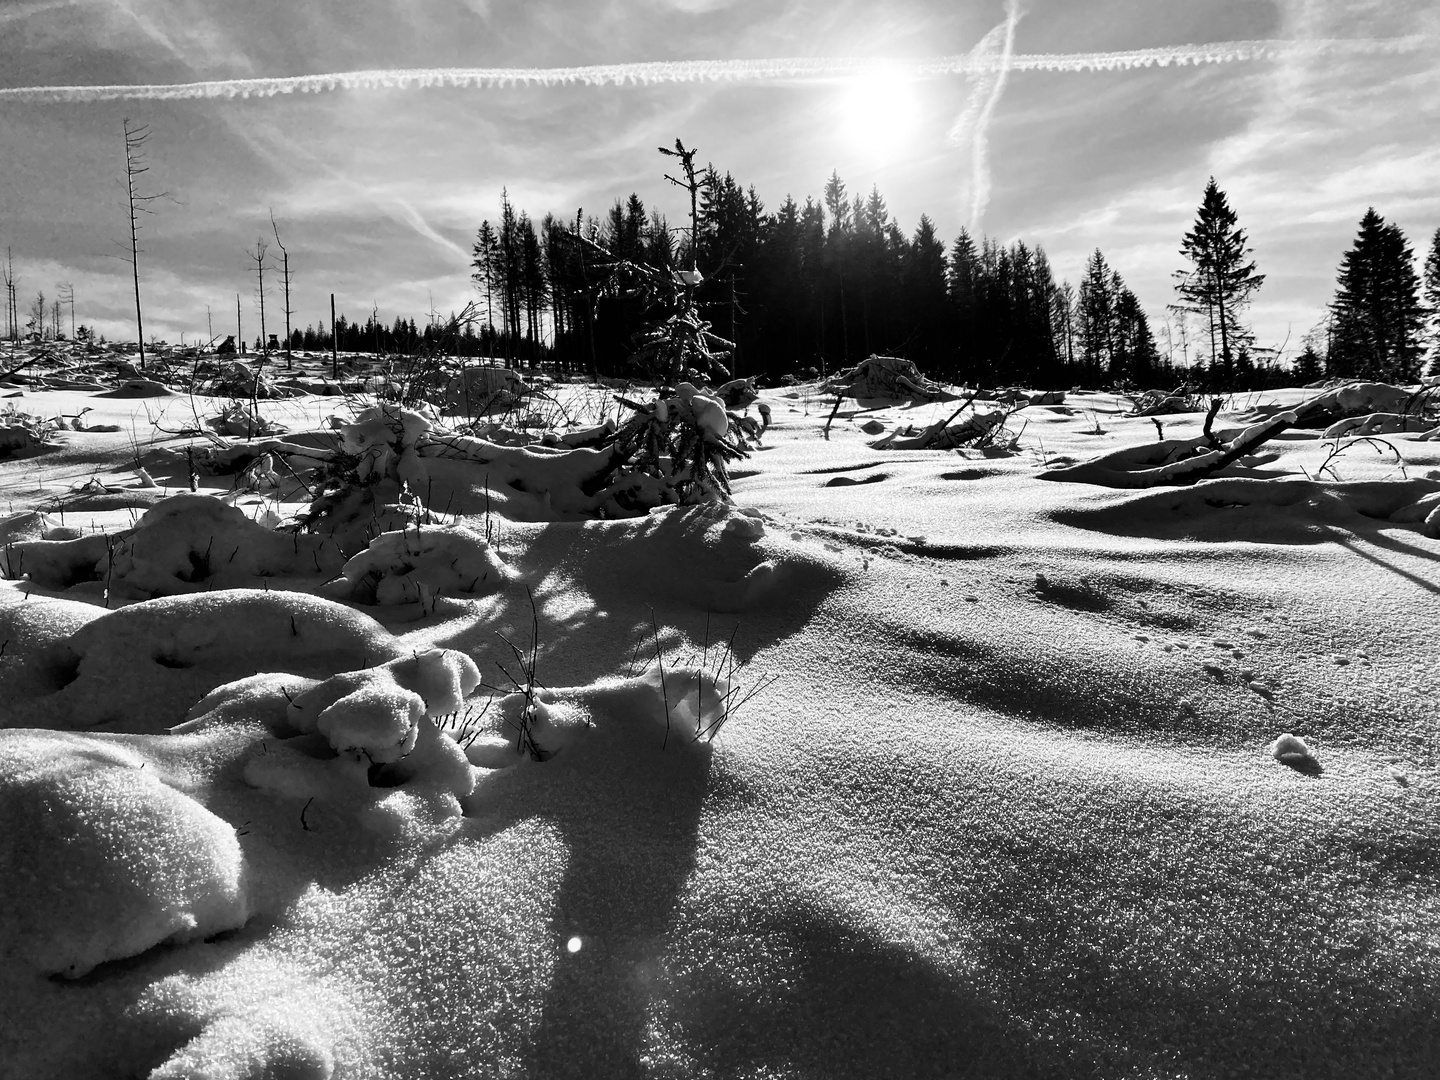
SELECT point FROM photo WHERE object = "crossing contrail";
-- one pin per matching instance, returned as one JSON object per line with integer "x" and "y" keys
{"x": 791, "y": 70}
{"x": 991, "y": 59}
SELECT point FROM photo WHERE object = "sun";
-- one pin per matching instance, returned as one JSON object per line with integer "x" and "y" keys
{"x": 877, "y": 114}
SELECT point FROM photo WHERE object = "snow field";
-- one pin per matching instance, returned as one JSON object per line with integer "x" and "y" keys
{"x": 1012, "y": 807}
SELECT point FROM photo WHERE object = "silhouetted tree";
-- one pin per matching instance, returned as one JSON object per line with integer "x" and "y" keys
{"x": 1432, "y": 300}
{"x": 485, "y": 265}
{"x": 1378, "y": 314}
{"x": 136, "y": 167}
{"x": 1096, "y": 309}
{"x": 1222, "y": 279}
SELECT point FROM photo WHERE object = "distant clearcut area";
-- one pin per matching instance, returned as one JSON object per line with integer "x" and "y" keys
{"x": 432, "y": 722}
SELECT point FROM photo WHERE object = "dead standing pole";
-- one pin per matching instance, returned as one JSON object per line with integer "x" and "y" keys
{"x": 334, "y": 343}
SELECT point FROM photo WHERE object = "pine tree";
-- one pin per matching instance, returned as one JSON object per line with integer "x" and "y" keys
{"x": 532, "y": 282}
{"x": 486, "y": 264}
{"x": 1432, "y": 301}
{"x": 1135, "y": 358}
{"x": 1378, "y": 314}
{"x": 923, "y": 290}
{"x": 1096, "y": 309}
{"x": 1307, "y": 366}
{"x": 1222, "y": 281}
{"x": 511, "y": 274}
{"x": 1063, "y": 329}
{"x": 966, "y": 281}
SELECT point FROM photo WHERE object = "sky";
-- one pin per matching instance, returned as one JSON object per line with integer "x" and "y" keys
{"x": 1021, "y": 132}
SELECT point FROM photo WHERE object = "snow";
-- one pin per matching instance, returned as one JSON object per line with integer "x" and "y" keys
{"x": 942, "y": 770}
{"x": 416, "y": 565}
{"x": 103, "y": 859}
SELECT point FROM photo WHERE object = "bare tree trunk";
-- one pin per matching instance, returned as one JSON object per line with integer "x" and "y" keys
{"x": 258, "y": 256}
{"x": 133, "y": 141}
{"x": 285, "y": 278}
{"x": 12, "y": 313}
{"x": 135, "y": 167}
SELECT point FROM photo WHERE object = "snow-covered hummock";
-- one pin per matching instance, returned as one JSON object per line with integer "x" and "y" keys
{"x": 104, "y": 854}
{"x": 194, "y": 543}
{"x": 1294, "y": 751}
{"x": 384, "y": 438}
{"x": 1358, "y": 399}
{"x": 1377, "y": 423}
{"x": 418, "y": 564}
{"x": 140, "y": 668}
{"x": 439, "y": 680}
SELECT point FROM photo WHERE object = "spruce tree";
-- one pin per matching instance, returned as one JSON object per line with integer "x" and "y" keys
{"x": 1307, "y": 366}
{"x": 923, "y": 290}
{"x": 1222, "y": 281}
{"x": 966, "y": 284}
{"x": 487, "y": 266}
{"x": 1378, "y": 314}
{"x": 1096, "y": 309}
{"x": 1431, "y": 290}
{"x": 1135, "y": 358}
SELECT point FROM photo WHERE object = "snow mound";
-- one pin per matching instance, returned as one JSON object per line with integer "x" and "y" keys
{"x": 1377, "y": 423}
{"x": 886, "y": 377}
{"x": 479, "y": 388}
{"x": 55, "y": 563}
{"x": 193, "y": 543}
{"x": 391, "y": 763}
{"x": 1266, "y": 511}
{"x": 140, "y": 668}
{"x": 102, "y": 858}
{"x": 410, "y": 565}
{"x": 1355, "y": 399}
{"x": 1295, "y": 752}
{"x": 524, "y": 483}
{"x": 384, "y": 438}
{"x": 239, "y": 1048}
{"x": 441, "y": 679}
{"x": 378, "y": 720}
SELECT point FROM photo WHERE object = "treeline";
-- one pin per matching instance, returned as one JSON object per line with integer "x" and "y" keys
{"x": 453, "y": 337}
{"x": 827, "y": 282}
{"x": 819, "y": 284}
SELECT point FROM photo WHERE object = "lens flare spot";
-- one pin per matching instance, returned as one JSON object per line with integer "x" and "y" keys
{"x": 573, "y": 945}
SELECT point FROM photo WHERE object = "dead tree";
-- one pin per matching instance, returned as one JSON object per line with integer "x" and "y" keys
{"x": 12, "y": 311}
{"x": 67, "y": 296}
{"x": 258, "y": 258}
{"x": 285, "y": 279}
{"x": 135, "y": 167}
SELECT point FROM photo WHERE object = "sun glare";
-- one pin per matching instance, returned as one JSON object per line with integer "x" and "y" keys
{"x": 878, "y": 114}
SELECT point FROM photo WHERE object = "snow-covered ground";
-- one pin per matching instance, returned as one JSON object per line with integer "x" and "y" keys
{"x": 909, "y": 763}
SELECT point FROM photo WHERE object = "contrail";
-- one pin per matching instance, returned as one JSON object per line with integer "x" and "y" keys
{"x": 796, "y": 69}
{"x": 992, "y": 58}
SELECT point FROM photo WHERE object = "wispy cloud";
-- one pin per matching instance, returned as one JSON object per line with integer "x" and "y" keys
{"x": 284, "y": 154}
